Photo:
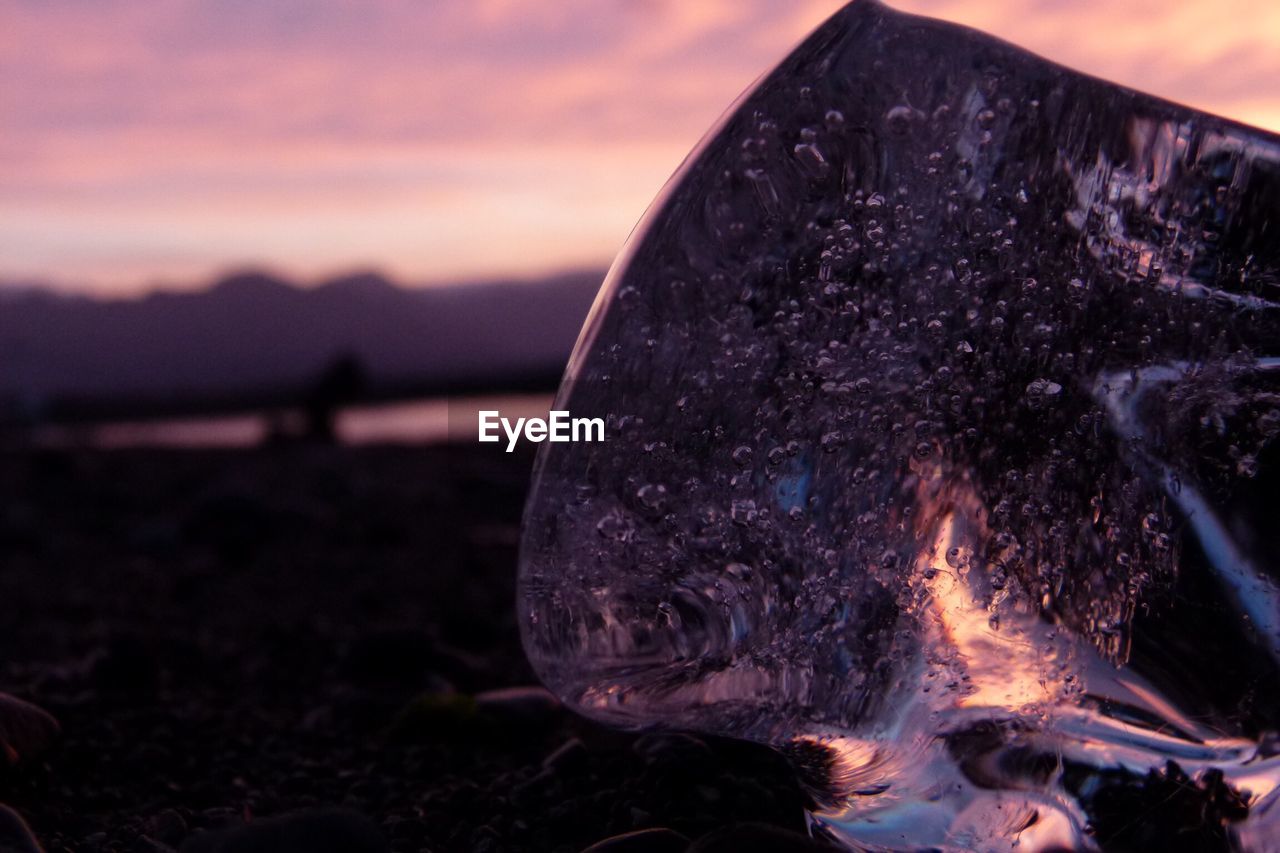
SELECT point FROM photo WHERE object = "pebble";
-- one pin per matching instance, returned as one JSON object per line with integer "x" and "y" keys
{"x": 671, "y": 746}
{"x": 658, "y": 840}
{"x": 25, "y": 729}
{"x": 314, "y": 831}
{"x": 529, "y": 705}
{"x": 15, "y": 835}
{"x": 433, "y": 717}
{"x": 570, "y": 754}
{"x": 167, "y": 827}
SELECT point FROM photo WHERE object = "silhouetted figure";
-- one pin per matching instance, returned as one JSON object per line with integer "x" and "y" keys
{"x": 343, "y": 382}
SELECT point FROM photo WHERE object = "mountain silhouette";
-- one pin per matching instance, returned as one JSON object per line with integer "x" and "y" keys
{"x": 253, "y": 332}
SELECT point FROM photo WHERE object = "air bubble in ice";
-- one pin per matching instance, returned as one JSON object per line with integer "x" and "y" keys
{"x": 949, "y": 468}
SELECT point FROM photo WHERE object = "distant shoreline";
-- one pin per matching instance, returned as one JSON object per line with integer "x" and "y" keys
{"x": 255, "y": 342}
{"x": 423, "y": 421}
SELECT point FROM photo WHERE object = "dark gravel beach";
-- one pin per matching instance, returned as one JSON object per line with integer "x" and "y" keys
{"x": 298, "y": 648}
{"x": 313, "y": 648}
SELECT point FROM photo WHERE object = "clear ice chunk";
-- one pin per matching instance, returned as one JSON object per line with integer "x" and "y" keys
{"x": 941, "y": 388}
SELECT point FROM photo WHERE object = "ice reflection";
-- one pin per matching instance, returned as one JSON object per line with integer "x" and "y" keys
{"x": 990, "y": 658}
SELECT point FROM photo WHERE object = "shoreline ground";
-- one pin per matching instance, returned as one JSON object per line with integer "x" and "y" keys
{"x": 231, "y": 636}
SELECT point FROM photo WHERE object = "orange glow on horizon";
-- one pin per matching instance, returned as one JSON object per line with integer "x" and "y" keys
{"x": 450, "y": 140}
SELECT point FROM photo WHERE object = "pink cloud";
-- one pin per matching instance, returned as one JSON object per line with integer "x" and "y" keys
{"x": 450, "y": 137}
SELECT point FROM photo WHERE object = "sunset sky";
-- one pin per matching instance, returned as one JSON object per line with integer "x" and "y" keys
{"x": 442, "y": 140}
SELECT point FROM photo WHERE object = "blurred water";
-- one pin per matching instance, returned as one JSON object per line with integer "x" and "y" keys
{"x": 429, "y": 421}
